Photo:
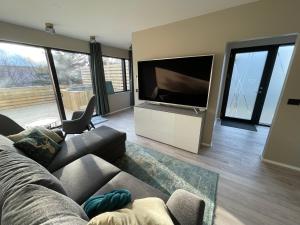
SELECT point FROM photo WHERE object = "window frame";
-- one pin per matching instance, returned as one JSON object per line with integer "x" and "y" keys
{"x": 55, "y": 80}
{"x": 125, "y": 74}
{"x": 123, "y": 67}
{"x": 43, "y": 46}
{"x": 52, "y": 71}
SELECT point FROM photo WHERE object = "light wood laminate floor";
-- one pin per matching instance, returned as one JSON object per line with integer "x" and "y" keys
{"x": 249, "y": 191}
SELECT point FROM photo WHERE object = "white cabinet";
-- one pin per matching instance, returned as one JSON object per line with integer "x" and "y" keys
{"x": 177, "y": 127}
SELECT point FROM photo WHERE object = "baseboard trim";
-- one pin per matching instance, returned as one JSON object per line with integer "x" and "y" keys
{"x": 280, "y": 164}
{"x": 120, "y": 110}
{"x": 206, "y": 144}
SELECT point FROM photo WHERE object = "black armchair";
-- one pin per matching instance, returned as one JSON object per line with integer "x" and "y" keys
{"x": 8, "y": 126}
{"x": 81, "y": 120}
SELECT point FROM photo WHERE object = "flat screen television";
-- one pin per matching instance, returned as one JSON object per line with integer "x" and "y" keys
{"x": 181, "y": 81}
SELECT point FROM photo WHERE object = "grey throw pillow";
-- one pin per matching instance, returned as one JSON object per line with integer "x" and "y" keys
{"x": 35, "y": 204}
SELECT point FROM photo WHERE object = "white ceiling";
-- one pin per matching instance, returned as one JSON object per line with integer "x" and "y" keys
{"x": 112, "y": 21}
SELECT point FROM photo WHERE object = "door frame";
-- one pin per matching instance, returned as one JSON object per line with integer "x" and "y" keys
{"x": 55, "y": 84}
{"x": 264, "y": 83}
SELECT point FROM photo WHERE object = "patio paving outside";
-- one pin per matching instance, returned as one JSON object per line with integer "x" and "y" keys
{"x": 30, "y": 114}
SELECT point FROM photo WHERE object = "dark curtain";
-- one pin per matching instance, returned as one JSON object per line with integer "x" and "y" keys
{"x": 98, "y": 78}
{"x": 131, "y": 77}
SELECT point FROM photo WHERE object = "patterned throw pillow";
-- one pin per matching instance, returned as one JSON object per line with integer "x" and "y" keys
{"x": 50, "y": 133}
{"x": 38, "y": 147}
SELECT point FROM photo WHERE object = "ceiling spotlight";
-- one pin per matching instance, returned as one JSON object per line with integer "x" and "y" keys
{"x": 49, "y": 28}
{"x": 93, "y": 39}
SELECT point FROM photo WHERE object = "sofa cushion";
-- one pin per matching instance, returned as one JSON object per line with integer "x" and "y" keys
{"x": 17, "y": 170}
{"x": 103, "y": 141}
{"x": 138, "y": 188}
{"x": 35, "y": 204}
{"x": 7, "y": 144}
{"x": 85, "y": 176}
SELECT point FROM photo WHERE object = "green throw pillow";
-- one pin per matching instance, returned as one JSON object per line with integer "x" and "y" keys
{"x": 50, "y": 133}
{"x": 38, "y": 147}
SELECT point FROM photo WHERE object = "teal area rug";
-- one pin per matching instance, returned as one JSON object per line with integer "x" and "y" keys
{"x": 98, "y": 119}
{"x": 168, "y": 174}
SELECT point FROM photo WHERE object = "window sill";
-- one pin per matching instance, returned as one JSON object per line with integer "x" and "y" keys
{"x": 118, "y": 92}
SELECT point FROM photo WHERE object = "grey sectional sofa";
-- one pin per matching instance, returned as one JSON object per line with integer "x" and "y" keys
{"x": 32, "y": 194}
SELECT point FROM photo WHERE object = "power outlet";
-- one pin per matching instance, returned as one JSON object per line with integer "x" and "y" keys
{"x": 292, "y": 101}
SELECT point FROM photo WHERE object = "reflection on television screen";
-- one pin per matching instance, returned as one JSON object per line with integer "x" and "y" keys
{"x": 183, "y": 81}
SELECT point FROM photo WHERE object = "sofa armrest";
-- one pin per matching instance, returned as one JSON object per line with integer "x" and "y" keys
{"x": 186, "y": 208}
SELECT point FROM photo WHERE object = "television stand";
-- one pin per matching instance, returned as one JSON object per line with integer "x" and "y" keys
{"x": 179, "y": 127}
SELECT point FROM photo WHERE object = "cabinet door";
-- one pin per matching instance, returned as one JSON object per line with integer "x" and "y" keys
{"x": 162, "y": 126}
{"x": 187, "y": 132}
{"x": 142, "y": 119}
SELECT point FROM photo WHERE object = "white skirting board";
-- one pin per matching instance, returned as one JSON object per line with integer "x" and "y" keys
{"x": 120, "y": 110}
{"x": 280, "y": 164}
{"x": 206, "y": 144}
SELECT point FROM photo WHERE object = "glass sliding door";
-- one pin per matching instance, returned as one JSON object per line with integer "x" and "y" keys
{"x": 282, "y": 62}
{"x": 26, "y": 91}
{"x": 74, "y": 77}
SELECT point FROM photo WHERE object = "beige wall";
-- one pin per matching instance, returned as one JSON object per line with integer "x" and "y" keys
{"x": 119, "y": 101}
{"x": 283, "y": 143}
{"x": 115, "y": 52}
{"x": 15, "y": 33}
{"x": 209, "y": 34}
{"x": 12, "y": 32}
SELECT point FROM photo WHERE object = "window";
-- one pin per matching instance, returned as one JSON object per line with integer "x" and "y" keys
{"x": 33, "y": 96}
{"x": 127, "y": 74}
{"x": 116, "y": 73}
{"x": 74, "y": 78}
{"x": 26, "y": 91}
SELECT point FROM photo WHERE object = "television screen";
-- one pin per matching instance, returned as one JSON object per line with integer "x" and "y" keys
{"x": 183, "y": 81}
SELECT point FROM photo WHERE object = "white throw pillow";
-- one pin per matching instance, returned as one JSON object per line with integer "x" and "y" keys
{"x": 146, "y": 211}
